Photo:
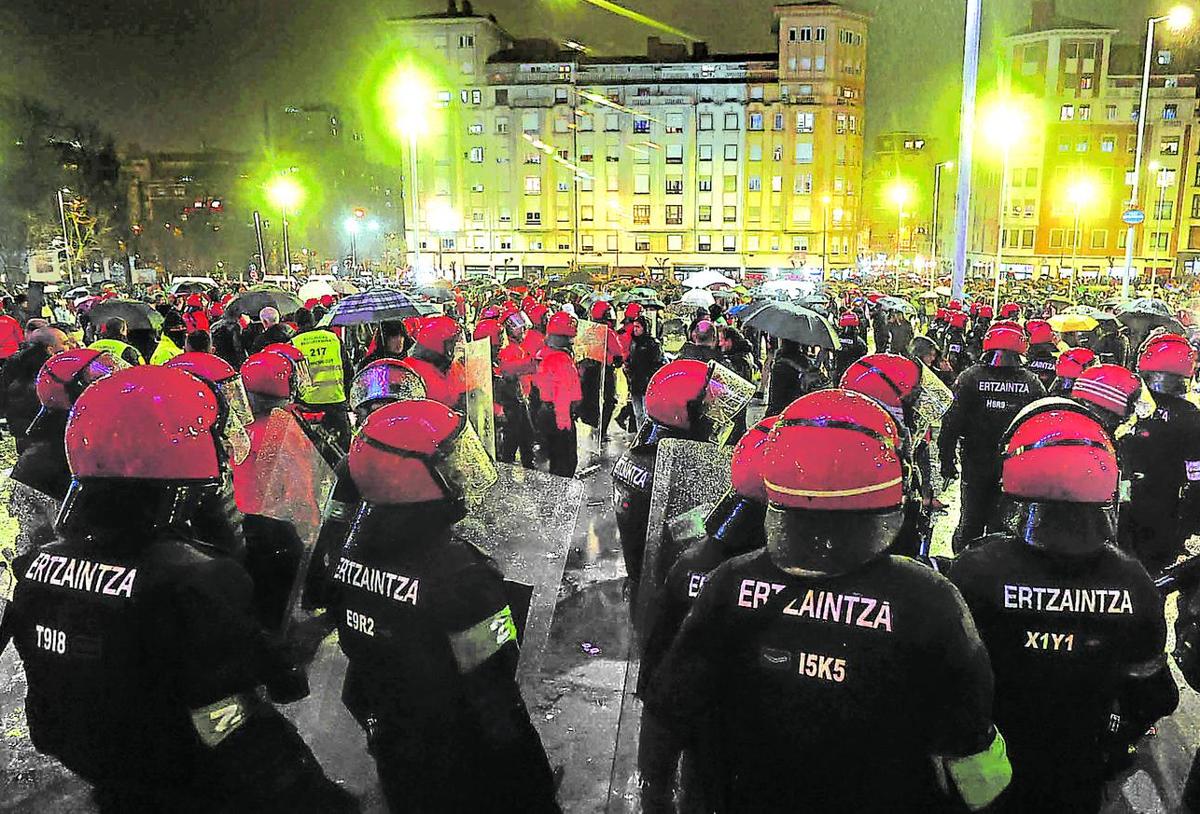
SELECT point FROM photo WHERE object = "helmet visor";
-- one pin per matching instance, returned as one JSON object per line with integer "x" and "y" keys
{"x": 725, "y": 396}
{"x": 1143, "y": 406}
{"x": 303, "y": 374}
{"x": 103, "y": 365}
{"x": 238, "y": 417}
{"x": 465, "y": 463}
{"x": 391, "y": 382}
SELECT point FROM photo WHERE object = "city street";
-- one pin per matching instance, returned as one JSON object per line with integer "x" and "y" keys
{"x": 574, "y": 697}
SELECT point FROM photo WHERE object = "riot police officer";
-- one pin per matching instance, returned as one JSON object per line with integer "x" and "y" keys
{"x": 516, "y": 368}
{"x": 1163, "y": 458}
{"x": 954, "y": 342}
{"x": 423, "y": 619}
{"x": 1074, "y": 627}
{"x": 986, "y": 398}
{"x": 734, "y": 526}
{"x": 433, "y": 357}
{"x": 981, "y": 321}
{"x": 142, "y": 654}
{"x": 1043, "y": 354}
{"x": 684, "y": 399}
{"x": 851, "y": 345}
{"x": 1067, "y": 368}
{"x": 559, "y": 394}
{"x": 796, "y": 658}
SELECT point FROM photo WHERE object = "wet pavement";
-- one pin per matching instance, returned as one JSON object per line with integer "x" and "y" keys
{"x": 574, "y": 692}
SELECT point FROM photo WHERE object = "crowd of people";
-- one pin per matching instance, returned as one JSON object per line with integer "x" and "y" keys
{"x": 808, "y": 648}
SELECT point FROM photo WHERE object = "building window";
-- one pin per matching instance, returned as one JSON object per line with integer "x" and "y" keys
{"x": 1085, "y": 83}
{"x": 533, "y": 158}
{"x": 731, "y": 121}
{"x": 641, "y": 184}
{"x": 476, "y": 155}
{"x": 704, "y": 243}
{"x": 791, "y": 35}
{"x": 730, "y": 183}
{"x": 505, "y": 242}
{"x": 1057, "y": 238}
{"x": 1170, "y": 112}
{"x": 729, "y": 214}
{"x": 533, "y": 218}
{"x": 754, "y": 215}
{"x": 706, "y": 122}
{"x": 705, "y": 183}
{"x": 533, "y": 185}
{"x": 587, "y": 243}
{"x": 705, "y": 152}
{"x": 755, "y": 122}
{"x": 586, "y": 156}
{"x": 1099, "y": 239}
{"x": 731, "y": 152}
{"x": 674, "y": 215}
{"x": 1158, "y": 240}
{"x": 466, "y": 41}
{"x": 729, "y": 243}
{"x": 1085, "y": 113}
{"x": 674, "y": 243}
{"x": 1026, "y": 238}
{"x": 674, "y": 185}
{"x": 819, "y": 63}
{"x": 804, "y": 152}
{"x": 1108, "y": 144}
{"x": 641, "y": 243}
{"x": 1196, "y": 206}
{"x": 674, "y": 153}
{"x": 1066, "y": 113}
{"x": 587, "y": 212}
{"x": 560, "y": 95}
{"x": 805, "y": 122}
{"x": 674, "y": 123}
{"x": 641, "y": 125}
{"x": 777, "y": 124}
{"x": 1110, "y": 113}
{"x": 777, "y": 153}
{"x": 754, "y": 183}
{"x": 819, "y": 33}
{"x": 585, "y": 122}
{"x": 806, "y": 34}
{"x": 612, "y": 122}
{"x": 641, "y": 214}
{"x": 529, "y": 122}
{"x": 1170, "y": 146}
{"x": 756, "y": 152}
{"x": 501, "y": 96}
{"x": 1162, "y": 210}
{"x": 501, "y": 125}
{"x": 803, "y": 184}
{"x": 705, "y": 213}
{"x": 1082, "y": 146}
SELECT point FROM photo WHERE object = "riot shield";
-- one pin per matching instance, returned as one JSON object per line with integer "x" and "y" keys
{"x": 591, "y": 341}
{"x": 27, "y": 519}
{"x": 286, "y": 480}
{"x": 526, "y": 523}
{"x": 933, "y": 401}
{"x": 689, "y": 477}
{"x": 481, "y": 411}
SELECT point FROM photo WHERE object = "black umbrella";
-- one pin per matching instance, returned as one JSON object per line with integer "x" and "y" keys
{"x": 786, "y": 320}
{"x": 1144, "y": 306}
{"x": 260, "y": 297}
{"x": 376, "y": 305}
{"x": 139, "y": 316}
{"x": 436, "y": 293}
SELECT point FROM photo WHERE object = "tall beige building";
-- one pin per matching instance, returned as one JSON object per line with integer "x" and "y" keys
{"x": 540, "y": 160}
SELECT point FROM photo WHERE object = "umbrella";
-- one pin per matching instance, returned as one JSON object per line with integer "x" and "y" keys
{"x": 314, "y": 290}
{"x": 704, "y": 279}
{"x": 376, "y": 305}
{"x": 895, "y": 304}
{"x": 344, "y": 287}
{"x": 788, "y": 321}
{"x": 436, "y": 293}
{"x": 139, "y": 316}
{"x": 1071, "y": 323}
{"x": 698, "y": 297}
{"x": 1089, "y": 311}
{"x": 1145, "y": 306}
{"x": 942, "y": 291}
{"x": 932, "y": 295}
{"x": 260, "y": 297}
{"x": 738, "y": 310}
{"x": 1057, "y": 298}
{"x": 518, "y": 284}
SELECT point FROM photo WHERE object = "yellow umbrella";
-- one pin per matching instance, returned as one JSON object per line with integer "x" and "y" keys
{"x": 1070, "y": 323}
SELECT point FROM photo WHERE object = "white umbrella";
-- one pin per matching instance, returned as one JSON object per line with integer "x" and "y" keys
{"x": 791, "y": 288}
{"x": 699, "y": 298}
{"x": 706, "y": 279}
{"x": 314, "y": 290}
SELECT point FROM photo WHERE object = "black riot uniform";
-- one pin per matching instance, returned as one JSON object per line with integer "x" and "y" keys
{"x": 987, "y": 396}
{"x": 43, "y": 463}
{"x": 852, "y": 347}
{"x": 633, "y": 484}
{"x": 1076, "y": 643}
{"x": 1162, "y": 458}
{"x": 1041, "y": 360}
{"x": 144, "y": 660}
{"x": 954, "y": 349}
{"x": 781, "y": 681}
{"x": 433, "y": 649}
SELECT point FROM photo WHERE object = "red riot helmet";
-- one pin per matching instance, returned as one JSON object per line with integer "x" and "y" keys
{"x": 562, "y": 324}
{"x": 601, "y": 311}
{"x": 488, "y": 329}
{"x": 1071, "y": 363}
{"x": 1007, "y": 336}
{"x": 227, "y": 384}
{"x": 299, "y": 362}
{"x": 1168, "y": 353}
{"x": 65, "y": 375}
{"x": 893, "y": 381}
{"x": 1114, "y": 389}
{"x": 696, "y": 397}
{"x": 537, "y": 315}
{"x": 490, "y": 312}
{"x": 419, "y": 451}
{"x": 1040, "y": 332}
{"x": 941, "y": 315}
{"x": 632, "y": 311}
{"x": 746, "y": 465}
{"x": 1010, "y": 310}
{"x": 271, "y": 375}
{"x": 974, "y": 310}
{"x": 438, "y": 334}
{"x": 954, "y": 305}
{"x": 385, "y": 380}
{"x": 1055, "y": 451}
{"x": 985, "y": 311}
{"x": 957, "y": 319}
{"x": 848, "y": 320}
{"x": 835, "y": 481}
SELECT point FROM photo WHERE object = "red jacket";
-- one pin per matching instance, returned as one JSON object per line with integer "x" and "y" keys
{"x": 450, "y": 387}
{"x": 11, "y": 336}
{"x": 557, "y": 381}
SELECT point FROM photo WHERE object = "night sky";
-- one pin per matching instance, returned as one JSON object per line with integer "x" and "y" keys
{"x": 172, "y": 74}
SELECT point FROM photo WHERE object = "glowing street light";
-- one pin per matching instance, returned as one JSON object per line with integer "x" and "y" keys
{"x": 1177, "y": 19}
{"x": 286, "y": 194}
{"x": 1080, "y": 193}
{"x": 899, "y": 193}
{"x": 826, "y": 200}
{"x": 407, "y": 99}
{"x": 1004, "y": 125}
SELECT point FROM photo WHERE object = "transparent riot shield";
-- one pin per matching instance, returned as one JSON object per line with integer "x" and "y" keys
{"x": 591, "y": 340}
{"x": 284, "y": 479}
{"x": 27, "y": 519}
{"x": 525, "y": 522}
{"x": 689, "y": 477}
{"x": 481, "y": 411}
{"x": 933, "y": 401}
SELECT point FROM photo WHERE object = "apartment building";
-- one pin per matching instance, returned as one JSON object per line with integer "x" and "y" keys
{"x": 541, "y": 159}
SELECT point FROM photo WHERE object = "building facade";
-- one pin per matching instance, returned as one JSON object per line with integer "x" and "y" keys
{"x": 1070, "y": 171}
{"x": 540, "y": 160}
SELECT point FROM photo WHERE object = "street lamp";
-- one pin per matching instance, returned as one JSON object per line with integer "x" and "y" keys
{"x": 286, "y": 194}
{"x": 407, "y": 99}
{"x": 1178, "y": 18}
{"x": 1080, "y": 193}
{"x": 1003, "y": 127}
{"x": 826, "y": 200}
{"x": 62, "y": 213}
{"x": 353, "y": 227}
{"x": 899, "y": 193}
{"x": 937, "y": 197}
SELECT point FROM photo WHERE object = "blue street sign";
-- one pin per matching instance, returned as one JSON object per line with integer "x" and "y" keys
{"x": 1133, "y": 216}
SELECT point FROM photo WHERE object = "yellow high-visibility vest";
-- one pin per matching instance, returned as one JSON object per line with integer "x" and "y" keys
{"x": 165, "y": 352}
{"x": 324, "y": 353}
{"x": 117, "y": 348}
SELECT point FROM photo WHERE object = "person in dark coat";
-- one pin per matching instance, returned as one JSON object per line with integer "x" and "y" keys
{"x": 19, "y": 380}
{"x": 736, "y": 353}
{"x": 644, "y": 358}
{"x": 391, "y": 342}
{"x": 703, "y": 343}
{"x": 273, "y": 331}
{"x": 793, "y": 374}
{"x": 227, "y": 341}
